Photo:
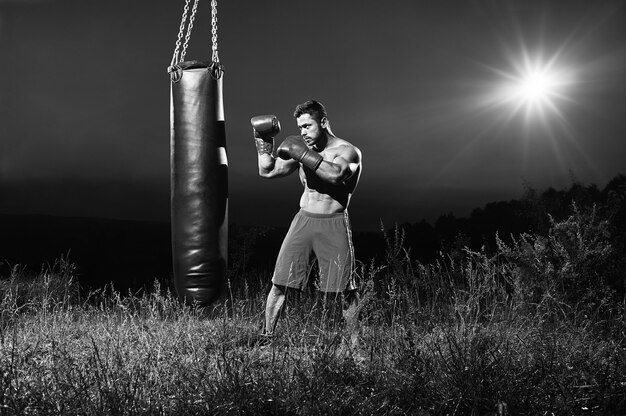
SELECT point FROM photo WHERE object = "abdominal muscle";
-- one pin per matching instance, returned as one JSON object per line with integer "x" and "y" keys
{"x": 320, "y": 197}
{"x": 314, "y": 202}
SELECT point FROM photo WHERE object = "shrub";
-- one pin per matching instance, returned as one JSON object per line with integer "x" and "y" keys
{"x": 567, "y": 267}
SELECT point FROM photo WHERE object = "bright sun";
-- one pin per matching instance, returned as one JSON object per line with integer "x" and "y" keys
{"x": 539, "y": 86}
{"x": 534, "y": 86}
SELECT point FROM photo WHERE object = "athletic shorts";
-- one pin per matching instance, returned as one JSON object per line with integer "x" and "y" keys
{"x": 328, "y": 237}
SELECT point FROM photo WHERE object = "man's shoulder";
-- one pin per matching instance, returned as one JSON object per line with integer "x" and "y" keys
{"x": 342, "y": 143}
{"x": 344, "y": 149}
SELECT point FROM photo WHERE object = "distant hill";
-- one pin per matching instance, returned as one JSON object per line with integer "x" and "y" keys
{"x": 126, "y": 253}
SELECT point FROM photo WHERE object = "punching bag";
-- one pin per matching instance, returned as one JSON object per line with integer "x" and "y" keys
{"x": 199, "y": 181}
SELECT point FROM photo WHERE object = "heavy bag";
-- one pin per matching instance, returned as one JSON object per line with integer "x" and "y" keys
{"x": 199, "y": 181}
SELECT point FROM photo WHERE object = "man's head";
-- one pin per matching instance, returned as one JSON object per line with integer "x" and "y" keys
{"x": 314, "y": 108}
{"x": 313, "y": 123}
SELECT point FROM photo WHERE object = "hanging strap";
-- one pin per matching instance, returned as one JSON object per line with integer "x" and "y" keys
{"x": 174, "y": 69}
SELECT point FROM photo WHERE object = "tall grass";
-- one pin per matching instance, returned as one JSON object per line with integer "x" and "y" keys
{"x": 532, "y": 330}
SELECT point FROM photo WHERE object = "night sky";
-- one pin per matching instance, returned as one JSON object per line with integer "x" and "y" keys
{"x": 428, "y": 90}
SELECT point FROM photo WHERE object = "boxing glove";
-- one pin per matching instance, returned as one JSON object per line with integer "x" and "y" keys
{"x": 293, "y": 147}
{"x": 265, "y": 127}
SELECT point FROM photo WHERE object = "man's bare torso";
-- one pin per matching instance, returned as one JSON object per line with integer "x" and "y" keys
{"x": 321, "y": 197}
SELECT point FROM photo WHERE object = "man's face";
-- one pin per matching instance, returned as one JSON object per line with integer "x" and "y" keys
{"x": 310, "y": 129}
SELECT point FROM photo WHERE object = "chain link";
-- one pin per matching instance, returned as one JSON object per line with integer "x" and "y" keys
{"x": 181, "y": 31}
{"x": 215, "y": 57}
{"x": 179, "y": 56}
{"x": 191, "y": 19}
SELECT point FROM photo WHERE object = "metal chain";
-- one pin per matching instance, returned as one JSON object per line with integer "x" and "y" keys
{"x": 176, "y": 58}
{"x": 191, "y": 19}
{"x": 180, "y": 33}
{"x": 215, "y": 57}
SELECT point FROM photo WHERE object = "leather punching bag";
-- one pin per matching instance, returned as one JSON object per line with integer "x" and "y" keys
{"x": 199, "y": 182}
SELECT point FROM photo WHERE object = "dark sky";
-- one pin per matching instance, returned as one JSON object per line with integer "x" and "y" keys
{"x": 418, "y": 86}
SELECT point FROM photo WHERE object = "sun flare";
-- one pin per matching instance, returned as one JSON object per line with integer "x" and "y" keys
{"x": 538, "y": 88}
{"x": 535, "y": 87}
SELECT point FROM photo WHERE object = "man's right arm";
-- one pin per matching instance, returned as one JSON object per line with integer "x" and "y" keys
{"x": 265, "y": 127}
{"x": 270, "y": 167}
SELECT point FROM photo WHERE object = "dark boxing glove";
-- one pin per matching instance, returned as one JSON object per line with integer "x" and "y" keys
{"x": 265, "y": 127}
{"x": 294, "y": 148}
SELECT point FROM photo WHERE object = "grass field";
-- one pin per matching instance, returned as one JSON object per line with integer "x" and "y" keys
{"x": 532, "y": 330}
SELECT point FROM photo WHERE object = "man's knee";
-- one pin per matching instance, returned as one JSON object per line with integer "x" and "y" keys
{"x": 277, "y": 291}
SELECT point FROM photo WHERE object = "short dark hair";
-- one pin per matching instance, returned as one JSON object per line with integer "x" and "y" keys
{"x": 312, "y": 107}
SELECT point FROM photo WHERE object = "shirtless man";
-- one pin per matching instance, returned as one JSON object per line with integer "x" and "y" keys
{"x": 329, "y": 169}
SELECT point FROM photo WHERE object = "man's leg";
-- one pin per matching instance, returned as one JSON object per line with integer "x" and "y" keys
{"x": 350, "y": 312}
{"x": 335, "y": 255}
{"x": 275, "y": 301}
{"x": 291, "y": 269}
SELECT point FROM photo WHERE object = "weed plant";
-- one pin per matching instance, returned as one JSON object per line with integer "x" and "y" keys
{"x": 531, "y": 330}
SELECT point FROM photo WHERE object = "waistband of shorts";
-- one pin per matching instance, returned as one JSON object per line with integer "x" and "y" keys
{"x": 316, "y": 215}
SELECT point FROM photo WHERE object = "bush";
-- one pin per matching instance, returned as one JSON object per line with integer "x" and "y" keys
{"x": 568, "y": 267}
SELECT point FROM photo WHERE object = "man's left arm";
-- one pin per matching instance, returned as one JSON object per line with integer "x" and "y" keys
{"x": 342, "y": 167}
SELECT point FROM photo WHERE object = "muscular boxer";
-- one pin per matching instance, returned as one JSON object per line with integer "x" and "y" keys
{"x": 329, "y": 170}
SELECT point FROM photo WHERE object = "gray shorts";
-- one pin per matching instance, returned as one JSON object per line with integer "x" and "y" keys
{"x": 326, "y": 236}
